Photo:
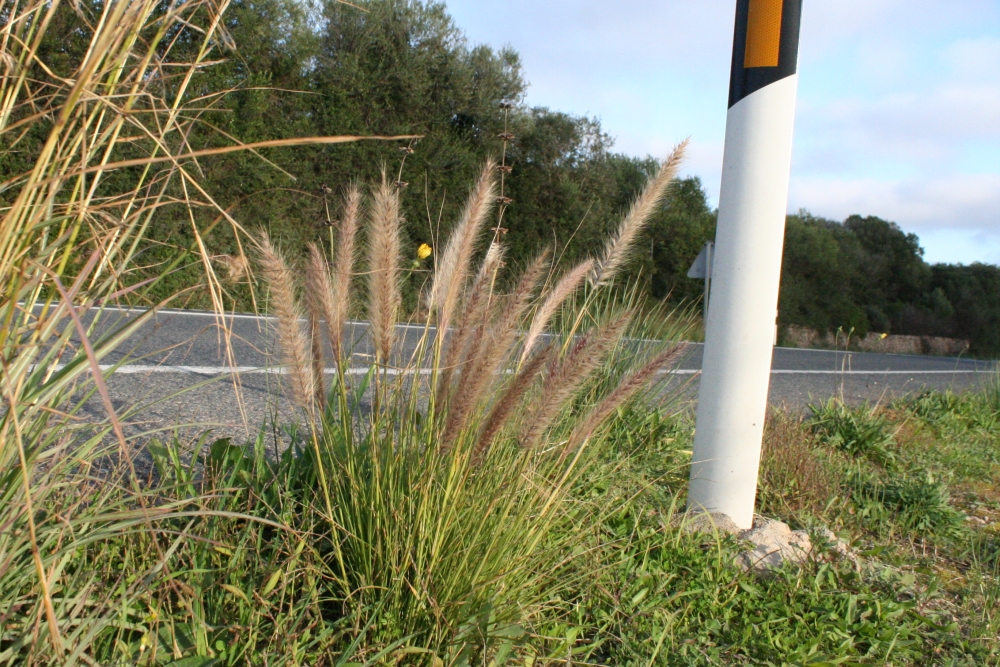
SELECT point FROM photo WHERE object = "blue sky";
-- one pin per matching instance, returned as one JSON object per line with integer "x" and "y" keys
{"x": 898, "y": 110}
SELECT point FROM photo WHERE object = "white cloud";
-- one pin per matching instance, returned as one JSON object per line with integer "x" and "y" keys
{"x": 899, "y": 103}
{"x": 956, "y": 217}
{"x": 974, "y": 59}
{"x": 927, "y": 130}
{"x": 949, "y": 202}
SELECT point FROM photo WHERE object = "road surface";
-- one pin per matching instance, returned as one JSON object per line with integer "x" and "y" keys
{"x": 176, "y": 367}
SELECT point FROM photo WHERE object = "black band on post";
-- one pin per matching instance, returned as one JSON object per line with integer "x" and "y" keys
{"x": 746, "y": 80}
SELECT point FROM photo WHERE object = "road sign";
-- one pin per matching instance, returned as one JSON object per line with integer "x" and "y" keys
{"x": 702, "y": 266}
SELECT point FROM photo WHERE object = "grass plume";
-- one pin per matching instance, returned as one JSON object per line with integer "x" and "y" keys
{"x": 510, "y": 399}
{"x": 567, "y": 285}
{"x": 320, "y": 306}
{"x": 383, "y": 268}
{"x": 616, "y": 252}
{"x": 565, "y": 379}
{"x": 343, "y": 271}
{"x": 467, "y": 339}
{"x": 492, "y": 346}
{"x": 294, "y": 344}
{"x": 452, "y": 270}
{"x": 627, "y": 387}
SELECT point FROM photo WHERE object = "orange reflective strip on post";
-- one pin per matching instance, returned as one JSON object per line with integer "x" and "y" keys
{"x": 763, "y": 34}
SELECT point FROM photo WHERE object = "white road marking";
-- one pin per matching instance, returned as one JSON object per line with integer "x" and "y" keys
{"x": 886, "y": 372}
{"x": 222, "y": 370}
{"x": 139, "y": 369}
{"x": 238, "y": 316}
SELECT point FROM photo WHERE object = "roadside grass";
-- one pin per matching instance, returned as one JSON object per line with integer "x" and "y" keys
{"x": 241, "y": 568}
{"x": 253, "y": 579}
{"x": 98, "y": 134}
{"x": 935, "y": 515}
{"x": 470, "y": 516}
{"x": 921, "y": 587}
{"x": 859, "y": 432}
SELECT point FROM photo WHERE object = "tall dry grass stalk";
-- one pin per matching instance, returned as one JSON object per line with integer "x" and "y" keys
{"x": 295, "y": 346}
{"x": 467, "y": 339}
{"x": 107, "y": 132}
{"x": 452, "y": 270}
{"x": 383, "y": 268}
{"x": 510, "y": 399}
{"x": 619, "y": 246}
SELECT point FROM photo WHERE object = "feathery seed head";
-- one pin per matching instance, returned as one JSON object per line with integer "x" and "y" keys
{"x": 383, "y": 268}
{"x": 566, "y": 286}
{"x": 293, "y": 342}
{"x": 453, "y": 267}
{"x": 619, "y": 246}
{"x": 343, "y": 270}
{"x": 568, "y": 375}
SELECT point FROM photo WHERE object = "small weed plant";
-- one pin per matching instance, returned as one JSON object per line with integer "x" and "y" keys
{"x": 919, "y": 504}
{"x": 861, "y": 432}
{"x": 954, "y": 412}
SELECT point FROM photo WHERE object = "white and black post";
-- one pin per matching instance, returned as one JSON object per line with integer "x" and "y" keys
{"x": 739, "y": 332}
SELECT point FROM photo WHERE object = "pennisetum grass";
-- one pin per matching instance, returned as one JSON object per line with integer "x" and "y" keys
{"x": 107, "y": 134}
{"x": 434, "y": 536}
{"x": 295, "y": 345}
{"x": 383, "y": 269}
{"x": 563, "y": 289}
{"x": 452, "y": 271}
{"x": 445, "y": 489}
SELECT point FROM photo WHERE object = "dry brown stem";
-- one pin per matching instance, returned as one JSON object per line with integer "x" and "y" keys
{"x": 292, "y": 340}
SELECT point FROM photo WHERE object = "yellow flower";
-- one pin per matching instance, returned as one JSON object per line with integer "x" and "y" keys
{"x": 883, "y": 336}
{"x": 424, "y": 251}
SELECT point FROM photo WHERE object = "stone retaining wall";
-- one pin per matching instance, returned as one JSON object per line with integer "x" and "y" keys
{"x": 798, "y": 336}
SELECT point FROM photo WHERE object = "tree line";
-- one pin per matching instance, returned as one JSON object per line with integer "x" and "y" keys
{"x": 403, "y": 67}
{"x": 866, "y": 274}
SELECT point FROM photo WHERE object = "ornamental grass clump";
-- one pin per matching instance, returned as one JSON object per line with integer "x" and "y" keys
{"x": 101, "y": 127}
{"x": 445, "y": 463}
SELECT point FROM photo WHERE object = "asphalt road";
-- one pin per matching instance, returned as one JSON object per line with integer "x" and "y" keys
{"x": 177, "y": 371}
